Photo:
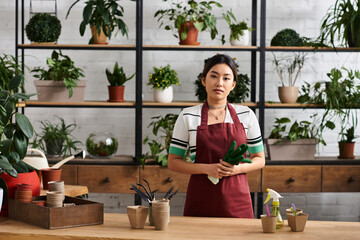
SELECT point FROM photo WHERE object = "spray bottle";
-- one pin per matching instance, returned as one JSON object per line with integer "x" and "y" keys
{"x": 275, "y": 207}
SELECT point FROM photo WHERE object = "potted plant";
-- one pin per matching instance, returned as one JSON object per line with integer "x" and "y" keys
{"x": 188, "y": 18}
{"x": 289, "y": 65}
{"x": 237, "y": 95}
{"x": 297, "y": 220}
{"x": 9, "y": 68}
{"x": 299, "y": 143}
{"x": 101, "y": 144}
{"x": 56, "y": 139}
{"x": 164, "y": 125}
{"x": 341, "y": 23}
{"x": 287, "y": 37}
{"x": 15, "y": 132}
{"x": 43, "y": 28}
{"x": 103, "y": 16}
{"x": 162, "y": 80}
{"x": 117, "y": 78}
{"x": 347, "y": 144}
{"x": 341, "y": 97}
{"x": 60, "y": 82}
{"x": 239, "y": 31}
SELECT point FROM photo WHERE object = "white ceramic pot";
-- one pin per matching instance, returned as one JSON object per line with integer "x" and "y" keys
{"x": 244, "y": 40}
{"x": 163, "y": 96}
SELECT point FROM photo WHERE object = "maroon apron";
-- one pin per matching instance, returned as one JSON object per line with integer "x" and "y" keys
{"x": 230, "y": 197}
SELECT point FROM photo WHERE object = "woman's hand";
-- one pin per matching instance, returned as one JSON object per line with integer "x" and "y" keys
{"x": 213, "y": 170}
{"x": 226, "y": 169}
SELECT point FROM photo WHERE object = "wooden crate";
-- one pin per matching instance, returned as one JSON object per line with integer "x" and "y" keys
{"x": 83, "y": 213}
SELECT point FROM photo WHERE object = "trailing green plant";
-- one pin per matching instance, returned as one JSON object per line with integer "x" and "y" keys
{"x": 236, "y": 28}
{"x": 163, "y": 77}
{"x": 15, "y": 130}
{"x": 162, "y": 128}
{"x": 61, "y": 69}
{"x": 237, "y": 95}
{"x": 102, "y": 148}
{"x": 341, "y": 23}
{"x": 179, "y": 13}
{"x": 117, "y": 77}
{"x": 43, "y": 27}
{"x": 106, "y": 15}
{"x": 289, "y": 65}
{"x": 9, "y": 68}
{"x": 298, "y": 130}
{"x": 58, "y": 135}
{"x": 286, "y": 37}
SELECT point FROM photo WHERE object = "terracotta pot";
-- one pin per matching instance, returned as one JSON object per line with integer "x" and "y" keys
{"x": 268, "y": 223}
{"x": 297, "y": 223}
{"x": 192, "y": 35}
{"x": 116, "y": 93}
{"x": 49, "y": 175}
{"x": 288, "y": 94}
{"x": 302, "y": 149}
{"x": 163, "y": 96}
{"x": 30, "y": 178}
{"x": 346, "y": 150}
{"x": 98, "y": 39}
{"x": 137, "y": 216}
{"x": 54, "y": 91}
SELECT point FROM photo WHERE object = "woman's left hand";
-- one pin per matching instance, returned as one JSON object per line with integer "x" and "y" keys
{"x": 226, "y": 169}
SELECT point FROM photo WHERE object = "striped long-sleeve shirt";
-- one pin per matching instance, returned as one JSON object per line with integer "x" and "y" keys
{"x": 184, "y": 134}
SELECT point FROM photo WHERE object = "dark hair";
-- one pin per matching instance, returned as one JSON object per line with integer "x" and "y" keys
{"x": 220, "y": 58}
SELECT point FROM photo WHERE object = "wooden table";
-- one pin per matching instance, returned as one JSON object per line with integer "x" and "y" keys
{"x": 117, "y": 226}
{"x": 71, "y": 190}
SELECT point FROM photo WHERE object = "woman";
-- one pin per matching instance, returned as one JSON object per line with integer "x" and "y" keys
{"x": 209, "y": 129}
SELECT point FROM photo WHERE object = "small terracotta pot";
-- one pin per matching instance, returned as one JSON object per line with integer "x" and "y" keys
{"x": 160, "y": 213}
{"x": 297, "y": 223}
{"x": 116, "y": 93}
{"x": 49, "y": 175}
{"x": 346, "y": 150}
{"x": 192, "y": 35}
{"x": 288, "y": 94}
{"x": 268, "y": 223}
{"x": 137, "y": 216}
{"x": 98, "y": 39}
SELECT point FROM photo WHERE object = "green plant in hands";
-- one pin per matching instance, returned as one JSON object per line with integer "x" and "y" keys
{"x": 61, "y": 69}
{"x": 43, "y": 27}
{"x": 56, "y": 137}
{"x": 15, "y": 130}
{"x": 9, "y": 68}
{"x": 237, "y": 28}
{"x": 106, "y": 15}
{"x": 342, "y": 23}
{"x": 118, "y": 76}
{"x": 165, "y": 126}
{"x": 179, "y": 13}
{"x": 163, "y": 77}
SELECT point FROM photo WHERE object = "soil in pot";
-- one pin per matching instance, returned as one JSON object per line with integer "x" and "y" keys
{"x": 191, "y": 36}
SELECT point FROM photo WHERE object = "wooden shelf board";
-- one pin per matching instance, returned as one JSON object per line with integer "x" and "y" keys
{"x": 85, "y": 103}
{"x": 44, "y": 45}
{"x": 328, "y": 49}
{"x": 200, "y": 46}
{"x": 189, "y": 103}
{"x": 300, "y": 105}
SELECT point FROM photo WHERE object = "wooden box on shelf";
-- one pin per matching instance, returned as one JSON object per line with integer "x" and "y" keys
{"x": 83, "y": 213}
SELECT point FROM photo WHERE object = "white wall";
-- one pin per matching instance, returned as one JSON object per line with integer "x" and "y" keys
{"x": 303, "y": 16}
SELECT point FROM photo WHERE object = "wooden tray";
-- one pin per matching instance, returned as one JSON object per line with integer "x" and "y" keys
{"x": 83, "y": 213}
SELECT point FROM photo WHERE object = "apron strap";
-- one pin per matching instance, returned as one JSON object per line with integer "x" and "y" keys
{"x": 204, "y": 115}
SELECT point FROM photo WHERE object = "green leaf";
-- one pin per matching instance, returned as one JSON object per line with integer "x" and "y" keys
{"x": 22, "y": 96}
{"x": 4, "y": 163}
{"x": 12, "y": 172}
{"x": 9, "y": 130}
{"x": 15, "y": 82}
{"x": 24, "y": 124}
{"x": 20, "y": 143}
{"x": 87, "y": 14}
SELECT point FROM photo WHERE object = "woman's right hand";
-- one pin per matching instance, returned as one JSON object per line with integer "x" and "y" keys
{"x": 213, "y": 170}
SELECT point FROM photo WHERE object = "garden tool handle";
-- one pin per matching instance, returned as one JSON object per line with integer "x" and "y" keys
{"x": 62, "y": 162}
{"x": 37, "y": 151}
